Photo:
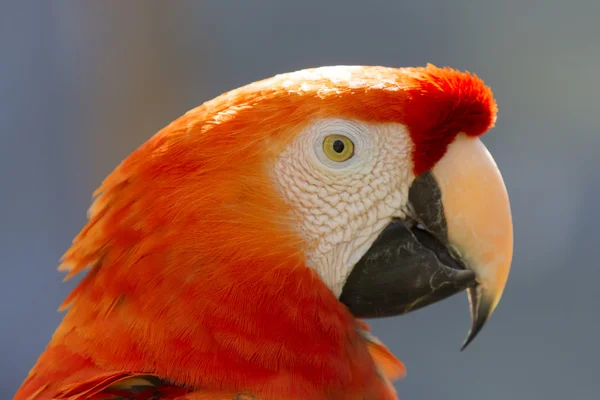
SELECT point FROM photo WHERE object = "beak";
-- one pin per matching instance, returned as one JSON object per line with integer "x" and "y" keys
{"x": 463, "y": 241}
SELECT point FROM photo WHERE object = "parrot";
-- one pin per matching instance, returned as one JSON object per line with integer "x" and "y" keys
{"x": 236, "y": 254}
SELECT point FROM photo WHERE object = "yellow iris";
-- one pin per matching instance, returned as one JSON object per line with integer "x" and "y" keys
{"x": 338, "y": 148}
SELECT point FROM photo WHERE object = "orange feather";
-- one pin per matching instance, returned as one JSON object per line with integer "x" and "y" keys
{"x": 197, "y": 276}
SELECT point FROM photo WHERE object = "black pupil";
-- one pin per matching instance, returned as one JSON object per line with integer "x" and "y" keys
{"x": 338, "y": 146}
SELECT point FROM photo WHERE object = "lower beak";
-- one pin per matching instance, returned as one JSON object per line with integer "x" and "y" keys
{"x": 463, "y": 241}
{"x": 405, "y": 269}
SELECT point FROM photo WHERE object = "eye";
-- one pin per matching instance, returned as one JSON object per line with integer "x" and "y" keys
{"x": 338, "y": 148}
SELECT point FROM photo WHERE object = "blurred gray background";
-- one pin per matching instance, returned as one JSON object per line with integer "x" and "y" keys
{"x": 82, "y": 84}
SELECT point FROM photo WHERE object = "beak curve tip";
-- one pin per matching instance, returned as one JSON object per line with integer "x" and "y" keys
{"x": 481, "y": 307}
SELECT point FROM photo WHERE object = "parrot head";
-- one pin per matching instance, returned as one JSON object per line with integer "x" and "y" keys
{"x": 240, "y": 246}
{"x": 399, "y": 203}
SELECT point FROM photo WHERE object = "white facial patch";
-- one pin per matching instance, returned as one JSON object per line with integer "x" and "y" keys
{"x": 341, "y": 207}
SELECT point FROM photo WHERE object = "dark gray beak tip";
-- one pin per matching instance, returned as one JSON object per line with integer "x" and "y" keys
{"x": 481, "y": 309}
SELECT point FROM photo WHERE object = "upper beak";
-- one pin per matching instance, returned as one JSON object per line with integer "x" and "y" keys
{"x": 465, "y": 241}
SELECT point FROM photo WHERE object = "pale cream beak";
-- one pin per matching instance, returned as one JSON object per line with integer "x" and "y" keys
{"x": 479, "y": 222}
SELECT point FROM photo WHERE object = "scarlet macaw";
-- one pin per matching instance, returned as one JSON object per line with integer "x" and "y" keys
{"x": 233, "y": 254}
